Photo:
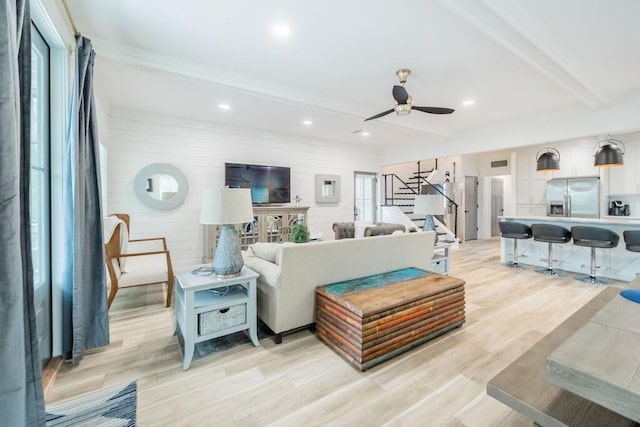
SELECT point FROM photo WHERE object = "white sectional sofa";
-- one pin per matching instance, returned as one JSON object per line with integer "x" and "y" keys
{"x": 289, "y": 273}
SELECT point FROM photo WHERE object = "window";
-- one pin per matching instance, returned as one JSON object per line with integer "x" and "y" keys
{"x": 40, "y": 190}
{"x": 102, "y": 155}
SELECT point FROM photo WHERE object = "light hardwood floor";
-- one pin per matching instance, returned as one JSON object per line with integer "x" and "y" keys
{"x": 303, "y": 383}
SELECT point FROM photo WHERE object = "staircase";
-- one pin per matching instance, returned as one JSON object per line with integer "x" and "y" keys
{"x": 400, "y": 194}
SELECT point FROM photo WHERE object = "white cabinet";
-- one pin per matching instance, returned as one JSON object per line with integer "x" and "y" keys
{"x": 531, "y": 210}
{"x": 531, "y": 184}
{"x": 625, "y": 179}
{"x": 576, "y": 160}
{"x": 270, "y": 224}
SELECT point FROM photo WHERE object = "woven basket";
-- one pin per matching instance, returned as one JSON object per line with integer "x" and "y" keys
{"x": 218, "y": 320}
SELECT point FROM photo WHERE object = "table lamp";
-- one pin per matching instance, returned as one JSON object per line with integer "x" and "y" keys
{"x": 429, "y": 205}
{"x": 226, "y": 207}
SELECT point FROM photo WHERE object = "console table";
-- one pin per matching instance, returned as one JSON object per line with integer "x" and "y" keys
{"x": 270, "y": 224}
{"x": 208, "y": 307}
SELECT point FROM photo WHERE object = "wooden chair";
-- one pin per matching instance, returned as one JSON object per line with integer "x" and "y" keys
{"x": 137, "y": 268}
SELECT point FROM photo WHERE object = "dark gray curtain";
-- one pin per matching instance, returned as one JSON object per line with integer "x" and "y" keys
{"x": 89, "y": 306}
{"x": 21, "y": 396}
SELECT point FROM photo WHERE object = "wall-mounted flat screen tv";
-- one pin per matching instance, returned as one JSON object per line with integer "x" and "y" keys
{"x": 268, "y": 184}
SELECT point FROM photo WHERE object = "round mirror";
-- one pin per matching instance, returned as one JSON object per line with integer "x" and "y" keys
{"x": 161, "y": 186}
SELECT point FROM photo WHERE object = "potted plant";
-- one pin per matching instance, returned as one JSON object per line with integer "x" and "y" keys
{"x": 299, "y": 233}
{"x": 413, "y": 229}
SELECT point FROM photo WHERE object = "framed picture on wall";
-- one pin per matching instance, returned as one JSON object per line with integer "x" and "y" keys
{"x": 327, "y": 188}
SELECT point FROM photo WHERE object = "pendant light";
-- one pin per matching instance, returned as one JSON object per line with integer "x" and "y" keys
{"x": 608, "y": 153}
{"x": 548, "y": 160}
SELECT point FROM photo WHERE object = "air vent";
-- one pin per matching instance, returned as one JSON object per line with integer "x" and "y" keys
{"x": 499, "y": 164}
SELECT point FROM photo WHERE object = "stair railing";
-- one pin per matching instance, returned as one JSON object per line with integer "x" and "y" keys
{"x": 390, "y": 191}
{"x": 389, "y": 179}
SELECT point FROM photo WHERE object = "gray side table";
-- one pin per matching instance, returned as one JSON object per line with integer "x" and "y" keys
{"x": 205, "y": 311}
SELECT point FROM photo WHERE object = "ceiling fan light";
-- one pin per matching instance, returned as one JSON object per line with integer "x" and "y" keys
{"x": 548, "y": 161}
{"x": 609, "y": 153}
{"x": 403, "y": 109}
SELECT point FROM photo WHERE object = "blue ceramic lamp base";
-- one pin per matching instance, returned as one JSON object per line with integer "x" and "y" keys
{"x": 631, "y": 294}
{"x": 227, "y": 261}
{"x": 430, "y": 225}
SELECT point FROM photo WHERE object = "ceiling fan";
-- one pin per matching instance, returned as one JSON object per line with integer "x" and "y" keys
{"x": 404, "y": 102}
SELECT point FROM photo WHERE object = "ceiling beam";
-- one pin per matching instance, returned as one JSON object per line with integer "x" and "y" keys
{"x": 169, "y": 64}
{"x": 480, "y": 14}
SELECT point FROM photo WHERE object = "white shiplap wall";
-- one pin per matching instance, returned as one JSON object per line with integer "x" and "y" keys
{"x": 200, "y": 150}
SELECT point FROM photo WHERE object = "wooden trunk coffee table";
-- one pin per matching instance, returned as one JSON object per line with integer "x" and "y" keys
{"x": 371, "y": 319}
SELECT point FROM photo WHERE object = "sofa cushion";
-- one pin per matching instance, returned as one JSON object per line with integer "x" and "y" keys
{"x": 266, "y": 251}
{"x": 269, "y": 272}
{"x": 383, "y": 229}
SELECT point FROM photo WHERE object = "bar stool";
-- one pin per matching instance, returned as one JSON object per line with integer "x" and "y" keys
{"x": 632, "y": 240}
{"x": 594, "y": 237}
{"x": 515, "y": 231}
{"x": 550, "y": 234}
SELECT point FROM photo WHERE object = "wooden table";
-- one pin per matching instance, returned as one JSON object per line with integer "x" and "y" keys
{"x": 371, "y": 319}
{"x": 523, "y": 385}
{"x": 601, "y": 360}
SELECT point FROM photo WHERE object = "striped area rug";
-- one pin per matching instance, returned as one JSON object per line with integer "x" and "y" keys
{"x": 115, "y": 406}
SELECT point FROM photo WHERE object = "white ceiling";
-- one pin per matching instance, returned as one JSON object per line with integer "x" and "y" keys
{"x": 572, "y": 66}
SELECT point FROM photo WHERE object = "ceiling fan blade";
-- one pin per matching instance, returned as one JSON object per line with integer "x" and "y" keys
{"x": 434, "y": 110}
{"x": 400, "y": 94}
{"x": 384, "y": 113}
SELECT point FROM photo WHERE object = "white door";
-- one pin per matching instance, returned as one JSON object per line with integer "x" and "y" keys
{"x": 497, "y": 204}
{"x": 364, "y": 206}
{"x": 40, "y": 212}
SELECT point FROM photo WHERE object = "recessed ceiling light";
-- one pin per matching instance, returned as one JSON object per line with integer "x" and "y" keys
{"x": 365, "y": 133}
{"x": 281, "y": 30}
{"x": 468, "y": 102}
{"x": 224, "y": 107}
{"x": 307, "y": 122}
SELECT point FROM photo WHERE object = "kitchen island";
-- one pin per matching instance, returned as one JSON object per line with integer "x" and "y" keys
{"x": 616, "y": 263}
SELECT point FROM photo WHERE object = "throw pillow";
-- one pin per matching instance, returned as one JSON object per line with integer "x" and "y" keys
{"x": 266, "y": 251}
{"x": 398, "y": 232}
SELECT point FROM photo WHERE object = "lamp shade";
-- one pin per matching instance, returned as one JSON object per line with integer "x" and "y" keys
{"x": 549, "y": 160}
{"x": 226, "y": 206}
{"x": 609, "y": 153}
{"x": 429, "y": 204}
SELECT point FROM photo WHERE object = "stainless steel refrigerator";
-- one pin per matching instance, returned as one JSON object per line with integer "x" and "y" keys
{"x": 575, "y": 197}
